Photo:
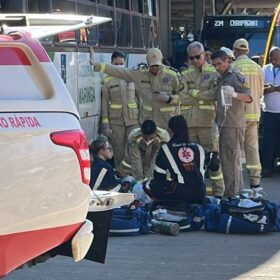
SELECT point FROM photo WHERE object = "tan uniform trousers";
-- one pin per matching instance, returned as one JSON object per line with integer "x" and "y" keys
{"x": 251, "y": 146}
{"x": 118, "y": 141}
{"x": 231, "y": 143}
{"x": 203, "y": 136}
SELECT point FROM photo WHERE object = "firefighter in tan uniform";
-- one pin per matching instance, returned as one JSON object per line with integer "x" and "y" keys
{"x": 158, "y": 87}
{"x": 142, "y": 148}
{"x": 197, "y": 97}
{"x": 119, "y": 110}
{"x": 231, "y": 121}
{"x": 255, "y": 79}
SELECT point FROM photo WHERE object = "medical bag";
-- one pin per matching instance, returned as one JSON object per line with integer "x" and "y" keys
{"x": 130, "y": 220}
{"x": 242, "y": 215}
{"x": 188, "y": 216}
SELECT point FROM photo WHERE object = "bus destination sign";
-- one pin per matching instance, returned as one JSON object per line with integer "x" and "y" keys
{"x": 237, "y": 23}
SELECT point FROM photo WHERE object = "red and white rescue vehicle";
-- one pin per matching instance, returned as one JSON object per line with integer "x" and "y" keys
{"x": 45, "y": 163}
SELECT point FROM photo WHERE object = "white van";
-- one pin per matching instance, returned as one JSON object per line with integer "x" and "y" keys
{"x": 45, "y": 163}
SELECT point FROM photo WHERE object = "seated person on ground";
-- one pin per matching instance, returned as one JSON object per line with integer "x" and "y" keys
{"x": 179, "y": 168}
{"x": 103, "y": 175}
{"x": 142, "y": 148}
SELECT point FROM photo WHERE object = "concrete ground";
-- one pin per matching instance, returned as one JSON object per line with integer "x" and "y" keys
{"x": 190, "y": 255}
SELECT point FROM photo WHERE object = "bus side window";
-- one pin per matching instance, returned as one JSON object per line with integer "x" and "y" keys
{"x": 13, "y": 6}
{"x": 151, "y": 33}
{"x": 123, "y": 25}
{"x": 92, "y": 36}
{"x": 150, "y": 7}
{"x": 38, "y": 6}
{"x": 107, "y": 30}
{"x": 65, "y": 7}
{"x": 88, "y": 36}
{"x": 138, "y": 31}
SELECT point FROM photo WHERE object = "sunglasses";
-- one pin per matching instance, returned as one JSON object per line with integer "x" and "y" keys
{"x": 108, "y": 148}
{"x": 195, "y": 57}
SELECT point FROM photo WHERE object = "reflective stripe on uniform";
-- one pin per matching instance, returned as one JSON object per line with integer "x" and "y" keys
{"x": 207, "y": 107}
{"x": 124, "y": 230}
{"x": 108, "y": 78}
{"x": 252, "y": 116}
{"x": 228, "y": 224}
{"x": 217, "y": 178}
{"x": 205, "y": 102}
{"x": 159, "y": 170}
{"x": 132, "y": 105}
{"x": 247, "y": 68}
{"x": 115, "y": 106}
{"x": 102, "y": 67}
{"x": 186, "y": 107}
{"x": 173, "y": 163}
{"x": 167, "y": 109}
{"x": 202, "y": 159}
{"x": 175, "y": 100}
{"x": 257, "y": 167}
{"x": 126, "y": 164}
{"x": 147, "y": 108}
{"x": 143, "y": 180}
{"x": 100, "y": 177}
{"x": 169, "y": 71}
{"x": 195, "y": 92}
{"x": 251, "y": 73}
{"x": 208, "y": 68}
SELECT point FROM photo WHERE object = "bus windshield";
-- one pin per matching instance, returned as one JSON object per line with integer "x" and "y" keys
{"x": 221, "y": 31}
{"x": 275, "y": 40}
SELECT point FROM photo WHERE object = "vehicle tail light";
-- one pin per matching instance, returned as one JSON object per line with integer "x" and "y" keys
{"x": 76, "y": 140}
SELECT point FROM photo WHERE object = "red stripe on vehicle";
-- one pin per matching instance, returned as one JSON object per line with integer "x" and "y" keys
{"x": 18, "y": 248}
{"x": 13, "y": 56}
{"x": 25, "y": 38}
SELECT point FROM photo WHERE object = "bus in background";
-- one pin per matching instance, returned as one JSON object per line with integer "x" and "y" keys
{"x": 218, "y": 31}
{"x": 273, "y": 35}
{"x": 133, "y": 29}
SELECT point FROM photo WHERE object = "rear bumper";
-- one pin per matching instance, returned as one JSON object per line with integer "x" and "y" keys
{"x": 18, "y": 248}
{"x": 100, "y": 211}
{"x": 82, "y": 240}
{"x": 72, "y": 240}
{"x": 101, "y": 221}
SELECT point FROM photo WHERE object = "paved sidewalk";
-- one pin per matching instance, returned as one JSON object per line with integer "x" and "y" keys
{"x": 193, "y": 255}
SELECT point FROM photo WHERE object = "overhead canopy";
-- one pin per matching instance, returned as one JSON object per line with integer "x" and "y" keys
{"x": 43, "y": 25}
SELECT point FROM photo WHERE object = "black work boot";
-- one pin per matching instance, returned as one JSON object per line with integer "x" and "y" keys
{"x": 254, "y": 186}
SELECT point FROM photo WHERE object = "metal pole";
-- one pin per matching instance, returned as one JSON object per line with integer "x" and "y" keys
{"x": 198, "y": 14}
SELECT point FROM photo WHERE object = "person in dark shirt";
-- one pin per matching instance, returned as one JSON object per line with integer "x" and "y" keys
{"x": 185, "y": 64}
{"x": 103, "y": 175}
{"x": 179, "y": 168}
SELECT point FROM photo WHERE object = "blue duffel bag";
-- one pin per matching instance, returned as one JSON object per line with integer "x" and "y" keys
{"x": 242, "y": 216}
{"x": 128, "y": 222}
{"x": 188, "y": 216}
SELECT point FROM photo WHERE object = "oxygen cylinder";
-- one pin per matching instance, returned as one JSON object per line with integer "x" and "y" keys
{"x": 165, "y": 227}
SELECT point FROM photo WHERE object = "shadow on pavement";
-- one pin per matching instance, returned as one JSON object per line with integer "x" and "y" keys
{"x": 190, "y": 255}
